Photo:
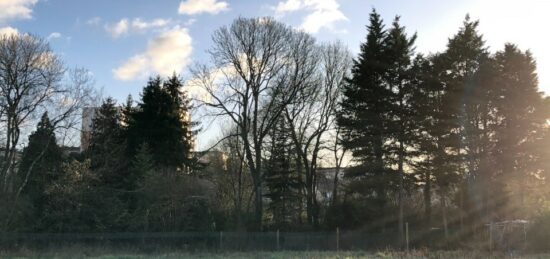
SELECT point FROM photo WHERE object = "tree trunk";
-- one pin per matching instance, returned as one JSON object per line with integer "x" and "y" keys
{"x": 401, "y": 195}
{"x": 239, "y": 198}
{"x": 427, "y": 199}
{"x": 335, "y": 185}
{"x": 444, "y": 214}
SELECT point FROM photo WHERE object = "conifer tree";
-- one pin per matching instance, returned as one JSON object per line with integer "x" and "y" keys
{"x": 464, "y": 121}
{"x": 399, "y": 49}
{"x": 162, "y": 121}
{"x": 522, "y": 113}
{"x": 363, "y": 118}
{"x": 282, "y": 181}
{"x": 378, "y": 116}
{"x": 40, "y": 167}
{"x": 107, "y": 150}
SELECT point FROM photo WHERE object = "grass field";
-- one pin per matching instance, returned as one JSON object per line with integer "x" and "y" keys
{"x": 273, "y": 255}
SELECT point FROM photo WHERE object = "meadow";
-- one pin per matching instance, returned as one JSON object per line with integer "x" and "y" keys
{"x": 79, "y": 252}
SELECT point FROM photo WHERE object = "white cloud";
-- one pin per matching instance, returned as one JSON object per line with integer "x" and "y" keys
{"x": 118, "y": 29}
{"x": 138, "y": 24}
{"x": 94, "y": 21}
{"x": 192, "y": 7}
{"x": 189, "y": 22}
{"x": 169, "y": 52}
{"x": 125, "y": 26}
{"x": 54, "y": 35}
{"x": 322, "y": 13}
{"x": 288, "y": 6}
{"x": 16, "y": 9}
{"x": 7, "y": 31}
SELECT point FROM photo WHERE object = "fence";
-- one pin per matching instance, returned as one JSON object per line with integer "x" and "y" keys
{"x": 220, "y": 241}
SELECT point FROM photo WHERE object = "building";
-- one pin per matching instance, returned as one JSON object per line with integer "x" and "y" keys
{"x": 88, "y": 115}
{"x": 325, "y": 183}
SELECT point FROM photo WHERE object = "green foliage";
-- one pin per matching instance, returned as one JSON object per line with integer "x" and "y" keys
{"x": 162, "y": 121}
{"x": 282, "y": 181}
{"x": 107, "y": 148}
{"x": 377, "y": 113}
{"x": 39, "y": 168}
{"x": 168, "y": 200}
{"x": 72, "y": 200}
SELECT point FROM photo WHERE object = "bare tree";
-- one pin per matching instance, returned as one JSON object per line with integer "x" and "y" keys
{"x": 339, "y": 153}
{"x": 32, "y": 82}
{"x": 259, "y": 67}
{"x": 235, "y": 187}
{"x": 312, "y": 115}
{"x": 29, "y": 78}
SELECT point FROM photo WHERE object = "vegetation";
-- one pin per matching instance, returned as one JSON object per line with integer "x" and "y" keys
{"x": 448, "y": 143}
{"x": 71, "y": 252}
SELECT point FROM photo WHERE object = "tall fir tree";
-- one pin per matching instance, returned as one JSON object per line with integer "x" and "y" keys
{"x": 464, "y": 120}
{"x": 158, "y": 121}
{"x": 182, "y": 108}
{"x": 282, "y": 181}
{"x": 399, "y": 50}
{"x": 521, "y": 113}
{"x": 363, "y": 117}
{"x": 39, "y": 168}
{"x": 107, "y": 151}
{"x": 377, "y": 116}
{"x": 109, "y": 163}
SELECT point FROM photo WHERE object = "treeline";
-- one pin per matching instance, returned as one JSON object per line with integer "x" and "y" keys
{"x": 452, "y": 140}
{"x": 131, "y": 176}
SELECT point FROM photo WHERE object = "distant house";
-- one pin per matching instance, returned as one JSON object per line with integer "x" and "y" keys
{"x": 88, "y": 115}
{"x": 325, "y": 183}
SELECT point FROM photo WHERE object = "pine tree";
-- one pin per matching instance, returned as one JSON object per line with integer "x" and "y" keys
{"x": 281, "y": 179}
{"x": 40, "y": 167}
{"x": 363, "y": 118}
{"x": 464, "y": 121}
{"x": 162, "y": 121}
{"x": 522, "y": 113}
{"x": 143, "y": 168}
{"x": 399, "y": 49}
{"x": 378, "y": 116}
{"x": 107, "y": 150}
{"x": 182, "y": 108}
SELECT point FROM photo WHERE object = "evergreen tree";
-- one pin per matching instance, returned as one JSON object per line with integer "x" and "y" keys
{"x": 143, "y": 166}
{"x": 377, "y": 115}
{"x": 399, "y": 49}
{"x": 107, "y": 147}
{"x": 282, "y": 181}
{"x": 522, "y": 114}
{"x": 182, "y": 107}
{"x": 465, "y": 115}
{"x": 109, "y": 162}
{"x": 363, "y": 118}
{"x": 40, "y": 167}
{"x": 162, "y": 121}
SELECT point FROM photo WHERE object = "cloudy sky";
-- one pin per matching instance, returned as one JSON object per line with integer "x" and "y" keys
{"x": 123, "y": 42}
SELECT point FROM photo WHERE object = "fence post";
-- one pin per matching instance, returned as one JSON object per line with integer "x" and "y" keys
{"x": 491, "y": 236}
{"x": 278, "y": 247}
{"x": 221, "y": 240}
{"x": 337, "y": 239}
{"x": 524, "y": 237}
{"x": 407, "y": 234}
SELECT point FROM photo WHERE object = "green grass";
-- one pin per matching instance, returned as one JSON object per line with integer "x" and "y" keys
{"x": 78, "y": 252}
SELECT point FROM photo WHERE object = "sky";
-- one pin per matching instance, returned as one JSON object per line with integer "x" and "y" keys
{"x": 123, "y": 42}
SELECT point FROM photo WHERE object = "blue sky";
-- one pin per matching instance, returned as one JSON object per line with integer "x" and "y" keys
{"x": 117, "y": 40}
